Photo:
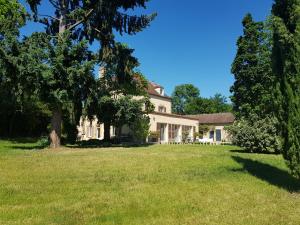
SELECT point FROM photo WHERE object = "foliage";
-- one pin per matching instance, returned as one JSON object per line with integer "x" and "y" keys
{"x": 12, "y": 17}
{"x": 185, "y": 136}
{"x": 286, "y": 66}
{"x": 75, "y": 23}
{"x": 257, "y": 135}
{"x": 252, "y": 89}
{"x": 21, "y": 110}
{"x": 256, "y": 126}
{"x": 140, "y": 128}
{"x": 182, "y": 95}
{"x": 154, "y": 136}
{"x": 43, "y": 142}
{"x": 186, "y": 100}
{"x": 112, "y": 97}
{"x": 196, "y": 134}
{"x": 216, "y": 104}
{"x": 203, "y": 129}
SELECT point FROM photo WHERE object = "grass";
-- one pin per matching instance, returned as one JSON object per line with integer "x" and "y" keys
{"x": 149, "y": 185}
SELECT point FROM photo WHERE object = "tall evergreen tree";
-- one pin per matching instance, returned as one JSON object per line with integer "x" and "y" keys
{"x": 83, "y": 20}
{"x": 286, "y": 66}
{"x": 252, "y": 71}
{"x": 21, "y": 111}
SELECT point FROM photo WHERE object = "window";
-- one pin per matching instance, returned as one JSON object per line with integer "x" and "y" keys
{"x": 98, "y": 132}
{"x": 162, "y": 109}
{"x": 91, "y": 131}
{"x": 218, "y": 135}
{"x": 87, "y": 130}
{"x": 212, "y": 135}
{"x": 173, "y": 132}
{"x": 186, "y": 129}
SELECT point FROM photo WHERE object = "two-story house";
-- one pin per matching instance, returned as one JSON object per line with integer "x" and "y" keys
{"x": 169, "y": 127}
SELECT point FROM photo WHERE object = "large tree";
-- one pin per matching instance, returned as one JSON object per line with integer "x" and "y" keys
{"x": 182, "y": 95}
{"x": 253, "y": 89}
{"x": 21, "y": 111}
{"x": 77, "y": 20}
{"x": 252, "y": 71}
{"x": 216, "y": 104}
{"x": 118, "y": 79}
{"x": 286, "y": 66}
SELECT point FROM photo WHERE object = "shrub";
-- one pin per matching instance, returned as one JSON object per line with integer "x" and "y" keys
{"x": 153, "y": 136}
{"x": 185, "y": 136}
{"x": 43, "y": 142}
{"x": 140, "y": 129}
{"x": 256, "y": 135}
{"x": 203, "y": 129}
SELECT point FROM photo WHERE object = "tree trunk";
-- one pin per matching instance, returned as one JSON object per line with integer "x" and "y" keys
{"x": 11, "y": 125}
{"x": 107, "y": 132}
{"x": 56, "y": 121}
{"x": 55, "y": 133}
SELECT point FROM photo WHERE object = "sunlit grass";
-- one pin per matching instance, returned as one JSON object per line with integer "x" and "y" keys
{"x": 169, "y": 184}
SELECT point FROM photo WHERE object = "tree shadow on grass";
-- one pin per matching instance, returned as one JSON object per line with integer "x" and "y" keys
{"x": 248, "y": 152}
{"x": 23, "y": 140}
{"x": 26, "y": 148}
{"x": 106, "y": 146}
{"x": 270, "y": 174}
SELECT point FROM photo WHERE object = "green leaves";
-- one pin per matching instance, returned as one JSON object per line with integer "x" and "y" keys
{"x": 12, "y": 17}
{"x": 186, "y": 100}
{"x": 256, "y": 134}
{"x": 252, "y": 89}
{"x": 182, "y": 95}
{"x": 286, "y": 66}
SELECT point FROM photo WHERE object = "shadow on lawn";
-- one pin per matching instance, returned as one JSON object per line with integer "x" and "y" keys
{"x": 258, "y": 152}
{"x": 268, "y": 173}
{"x": 26, "y": 148}
{"x": 105, "y": 146}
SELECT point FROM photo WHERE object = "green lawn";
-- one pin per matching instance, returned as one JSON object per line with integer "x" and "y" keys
{"x": 150, "y": 185}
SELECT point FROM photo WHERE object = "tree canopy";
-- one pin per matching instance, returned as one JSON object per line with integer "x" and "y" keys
{"x": 186, "y": 100}
{"x": 67, "y": 76}
{"x": 252, "y": 89}
{"x": 182, "y": 95}
{"x": 286, "y": 67}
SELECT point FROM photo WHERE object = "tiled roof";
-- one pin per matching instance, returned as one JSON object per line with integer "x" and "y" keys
{"x": 151, "y": 90}
{"x": 214, "y": 118}
{"x": 174, "y": 115}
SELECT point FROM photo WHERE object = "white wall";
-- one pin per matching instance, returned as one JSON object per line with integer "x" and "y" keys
{"x": 224, "y": 134}
{"x": 160, "y": 101}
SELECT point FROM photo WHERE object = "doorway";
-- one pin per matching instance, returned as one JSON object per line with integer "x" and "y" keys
{"x": 212, "y": 135}
{"x": 218, "y": 135}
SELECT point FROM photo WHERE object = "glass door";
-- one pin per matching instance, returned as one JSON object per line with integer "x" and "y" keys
{"x": 218, "y": 135}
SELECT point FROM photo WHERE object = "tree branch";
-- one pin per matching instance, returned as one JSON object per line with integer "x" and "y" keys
{"x": 54, "y": 4}
{"x": 80, "y": 21}
{"x": 52, "y": 17}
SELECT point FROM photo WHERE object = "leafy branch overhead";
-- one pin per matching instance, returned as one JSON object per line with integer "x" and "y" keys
{"x": 94, "y": 19}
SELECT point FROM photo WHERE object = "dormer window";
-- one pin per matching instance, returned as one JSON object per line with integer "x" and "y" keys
{"x": 160, "y": 91}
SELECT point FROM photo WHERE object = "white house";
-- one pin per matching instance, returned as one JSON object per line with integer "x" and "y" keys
{"x": 167, "y": 126}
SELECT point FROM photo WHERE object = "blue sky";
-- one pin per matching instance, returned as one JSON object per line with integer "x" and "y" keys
{"x": 191, "y": 41}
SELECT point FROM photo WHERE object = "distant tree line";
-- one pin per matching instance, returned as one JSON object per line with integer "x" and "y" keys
{"x": 186, "y": 100}
{"x": 266, "y": 92}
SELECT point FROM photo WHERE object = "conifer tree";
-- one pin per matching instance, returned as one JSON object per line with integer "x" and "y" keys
{"x": 79, "y": 20}
{"x": 252, "y": 71}
{"x": 286, "y": 66}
